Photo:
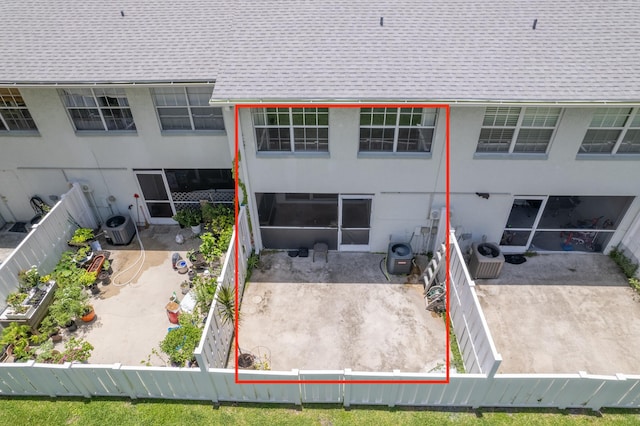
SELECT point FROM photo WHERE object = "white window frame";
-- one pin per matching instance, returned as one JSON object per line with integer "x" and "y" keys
{"x": 16, "y": 106}
{"x": 188, "y": 106}
{"x": 291, "y": 127}
{"x": 634, "y": 114}
{"x": 516, "y": 130}
{"x": 396, "y": 127}
{"x": 118, "y": 93}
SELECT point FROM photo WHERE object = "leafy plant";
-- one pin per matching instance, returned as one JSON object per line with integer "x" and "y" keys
{"x": 28, "y": 279}
{"x": 226, "y": 303}
{"x": 189, "y": 216}
{"x": 86, "y": 279}
{"x": 82, "y": 235}
{"x": 106, "y": 265}
{"x": 76, "y": 350}
{"x": 69, "y": 302}
{"x": 46, "y": 329}
{"x": 15, "y": 300}
{"x": 17, "y": 335}
{"x": 217, "y": 218}
{"x": 628, "y": 267}
{"x": 180, "y": 342}
{"x": 204, "y": 288}
{"x": 47, "y": 354}
{"x": 82, "y": 254}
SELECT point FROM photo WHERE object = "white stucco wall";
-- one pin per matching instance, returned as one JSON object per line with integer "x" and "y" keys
{"x": 42, "y": 165}
{"x": 406, "y": 189}
{"x": 503, "y": 177}
{"x": 402, "y": 187}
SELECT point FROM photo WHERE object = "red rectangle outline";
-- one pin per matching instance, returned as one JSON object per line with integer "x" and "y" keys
{"x": 447, "y": 109}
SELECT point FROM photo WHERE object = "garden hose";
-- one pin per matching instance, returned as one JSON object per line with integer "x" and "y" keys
{"x": 138, "y": 260}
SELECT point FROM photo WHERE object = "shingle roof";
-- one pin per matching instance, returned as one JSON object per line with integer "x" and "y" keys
{"x": 436, "y": 49}
{"x": 90, "y": 41}
{"x": 334, "y": 49}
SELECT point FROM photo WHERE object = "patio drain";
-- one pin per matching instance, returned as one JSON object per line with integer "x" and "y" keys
{"x": 256, "y": 299}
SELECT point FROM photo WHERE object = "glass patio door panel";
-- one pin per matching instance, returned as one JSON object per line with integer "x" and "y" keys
{"x": 157, "y": 202}
{"x": 355, "y": 222}
{"x": 523, "y": 219}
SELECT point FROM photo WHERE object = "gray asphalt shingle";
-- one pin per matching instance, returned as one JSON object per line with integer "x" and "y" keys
{"x": 335, "y": 49}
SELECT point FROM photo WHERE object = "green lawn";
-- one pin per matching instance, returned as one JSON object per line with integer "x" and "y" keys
{"x": 43, "y": 411}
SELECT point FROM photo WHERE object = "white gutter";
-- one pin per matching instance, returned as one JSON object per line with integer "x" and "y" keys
{"x": 28, "y": 85}
{"x": 471, "y": 102}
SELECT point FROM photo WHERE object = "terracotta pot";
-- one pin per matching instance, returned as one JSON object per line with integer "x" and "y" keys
{"x": 88, "y": 317}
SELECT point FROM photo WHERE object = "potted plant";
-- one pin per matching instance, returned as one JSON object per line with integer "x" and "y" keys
{"x": 84, "y": 254}
{"x": 69, "y": 302}
{"x": 81, "y": 236}
{"x": 16, "y": 336}
{"x": 88, "y": 280}
{"x": 48, "y": 329}
{"x": 197, "y": 259}
{"x": 15, "y": 301}
{"x": 180, "y": 342}
{"x": 76, "y": 350}
{"x": 105, "y": 273}
{"x": 47, "y": 354}
{"x": 28, "y": 279}
{"x": 189, "y": 217}
{"x": 88, "y": 313}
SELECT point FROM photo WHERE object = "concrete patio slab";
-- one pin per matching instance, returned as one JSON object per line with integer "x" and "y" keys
{"x": 130, "y": 312}
{"x": 584, "y": 317}
{"x": 340, "y": 314}
{"x": 9, "y": 241}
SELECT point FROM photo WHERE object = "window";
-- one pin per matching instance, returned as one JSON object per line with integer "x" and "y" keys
{"x": 405, "y": 130}
{"x": 186, "y": 108}
{"x": 291, "y": 129}
{"x": 517, "y": 130}
{"x": 613, "y": 131}
{"x": 14, "y": 115}
{"x": 98, "y": 109}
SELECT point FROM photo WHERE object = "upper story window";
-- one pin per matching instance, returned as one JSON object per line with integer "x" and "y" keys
{"x": 517, "y": 130}
{"x": 291, "y": 129}
{"x": 613, "y": 131}
{"x": 14, "y": 115}
{"x": 405, "y": 130}
{"x": 98, "y": 109}
{"x": 187, "y": 108}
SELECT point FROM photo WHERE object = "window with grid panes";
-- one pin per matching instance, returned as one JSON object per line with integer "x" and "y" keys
{"x": 291, "y": 129}
{"x": 517, "y": 130}
{"x": 186, "y": 108}
{"x": 613, "y": 131}
{"x": 397, "y": 130}
{"x": 14, "y": 115}
{"x": 98, "y": 109}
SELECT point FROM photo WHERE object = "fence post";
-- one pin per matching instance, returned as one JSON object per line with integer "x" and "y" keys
{"x": 394, "y": 390}
{"x": 346, "y": 400}
{"x": 122, "y": 381}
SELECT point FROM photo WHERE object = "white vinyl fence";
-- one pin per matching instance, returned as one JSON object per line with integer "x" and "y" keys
{"x": 474, "y": 390}
{"x": 217, "y": 385}
{"x": 45, "y": 243}
{"x": 213, "y": 350}
{"x": 469, "y": 324}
